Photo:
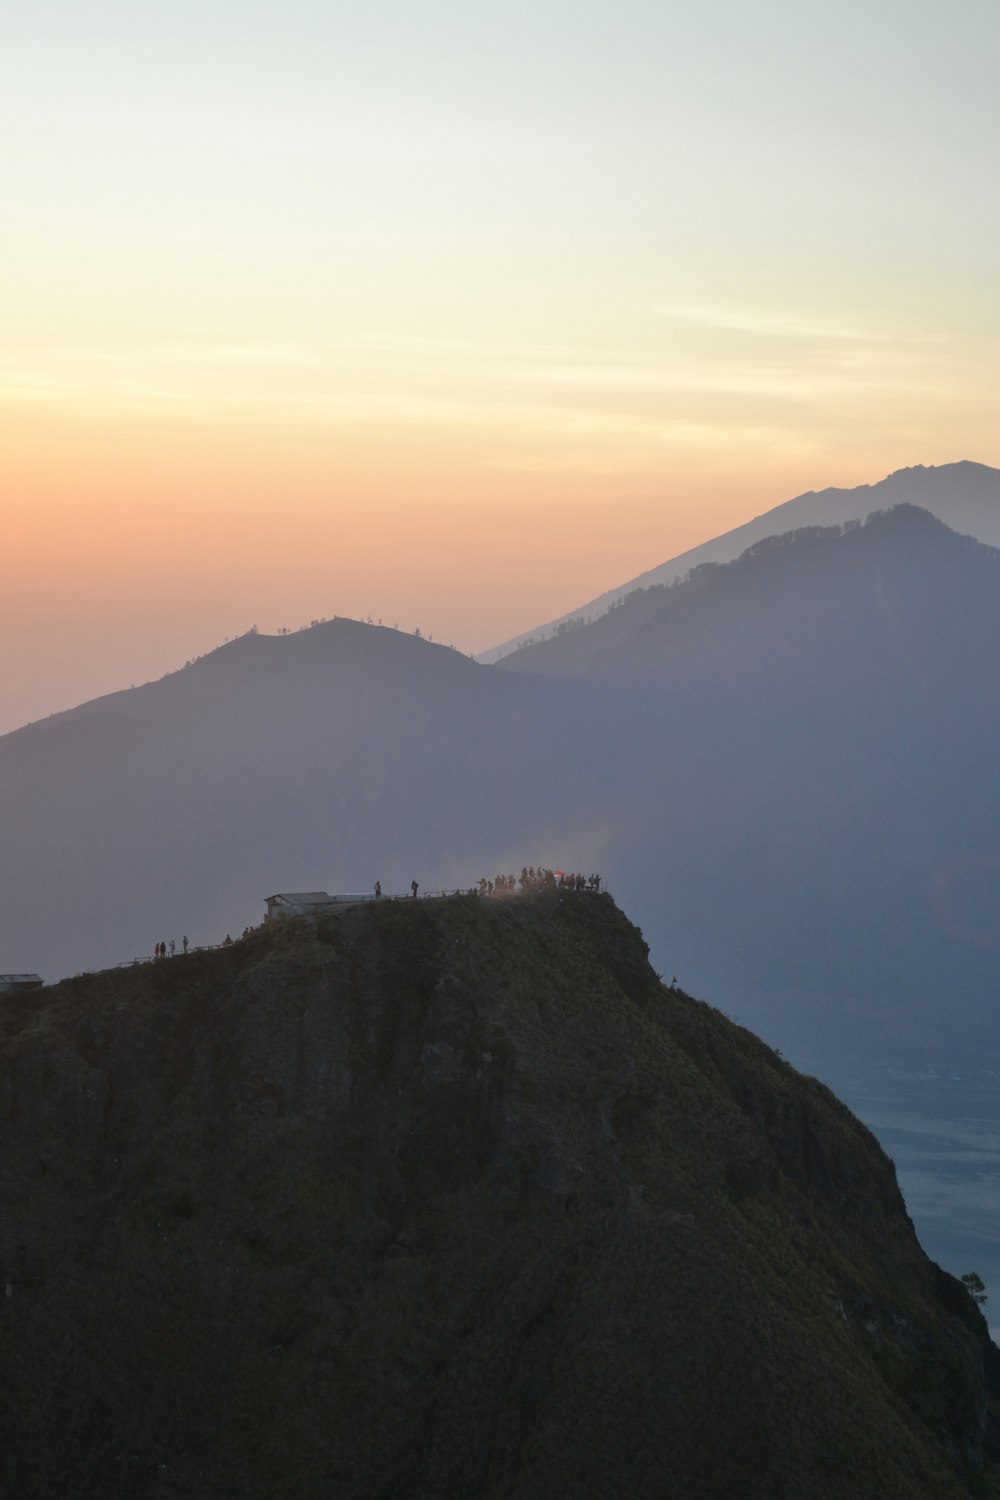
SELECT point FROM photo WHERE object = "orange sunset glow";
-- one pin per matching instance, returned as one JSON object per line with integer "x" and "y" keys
{"x": 347, "y": 320}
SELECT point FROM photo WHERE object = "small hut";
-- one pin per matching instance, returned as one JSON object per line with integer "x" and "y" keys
{"x": 298, "y": 904}
{"x": 14, "y": 984}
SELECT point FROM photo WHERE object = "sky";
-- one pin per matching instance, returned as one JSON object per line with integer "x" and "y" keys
{"x": 455, "y": 316}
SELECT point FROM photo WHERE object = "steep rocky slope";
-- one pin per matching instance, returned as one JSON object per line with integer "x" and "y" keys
{"x": 454, "y": 1198}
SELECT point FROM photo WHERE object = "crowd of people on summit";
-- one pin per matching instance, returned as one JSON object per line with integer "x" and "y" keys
{"x": 531, "y": 879}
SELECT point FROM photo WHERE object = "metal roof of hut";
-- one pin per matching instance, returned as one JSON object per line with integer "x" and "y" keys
{"x": 302, "y": 898}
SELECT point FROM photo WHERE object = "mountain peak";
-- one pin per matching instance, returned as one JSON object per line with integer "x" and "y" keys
{"x": 961, "y": 467}
{"x": 774, "y": 603}
{"x": 965, "y": 495}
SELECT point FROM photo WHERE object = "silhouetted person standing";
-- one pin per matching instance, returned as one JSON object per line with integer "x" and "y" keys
{"x": 413, "y": 889}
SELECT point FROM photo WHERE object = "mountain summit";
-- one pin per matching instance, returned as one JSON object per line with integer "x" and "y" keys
{"x": 455, "y": 1198}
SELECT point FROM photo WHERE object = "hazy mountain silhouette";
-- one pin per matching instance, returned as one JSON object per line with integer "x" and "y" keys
{"x": 786, "y": 766}
{"x": 322, "y": 759}
{"x": 825, "y": 815}
{"x": 966, "y": 496}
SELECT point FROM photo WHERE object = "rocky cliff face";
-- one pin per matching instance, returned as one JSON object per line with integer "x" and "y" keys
{"x": 454, "y": 1198}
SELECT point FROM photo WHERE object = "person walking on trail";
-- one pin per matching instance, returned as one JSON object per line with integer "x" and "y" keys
{"x": 184, "y": 943}
{"x": 378, "y": 890}
{"x": 413, "y": 889}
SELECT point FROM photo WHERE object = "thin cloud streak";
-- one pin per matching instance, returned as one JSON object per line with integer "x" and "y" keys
{"x": 788, "y": 326}
{"x": 159, "y": 371}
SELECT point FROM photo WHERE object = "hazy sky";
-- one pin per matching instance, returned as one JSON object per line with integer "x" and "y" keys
{"x": 457, "y": 315}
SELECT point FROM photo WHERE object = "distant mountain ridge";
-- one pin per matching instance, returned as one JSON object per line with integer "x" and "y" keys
{"x": 723, "y": 602}
{"x": 965, "y": 495}
{"x": 786, "y": 765}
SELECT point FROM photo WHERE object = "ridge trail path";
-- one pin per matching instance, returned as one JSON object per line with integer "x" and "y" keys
{"x": 361, "y": 898}
{"x": 341, "y": 902}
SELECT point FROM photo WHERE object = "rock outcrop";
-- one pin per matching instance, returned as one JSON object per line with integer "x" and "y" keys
{"x": 455, "y": 1199}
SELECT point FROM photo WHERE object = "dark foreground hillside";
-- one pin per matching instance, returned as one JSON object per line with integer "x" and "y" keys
{"x": 454, "y": 1199}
